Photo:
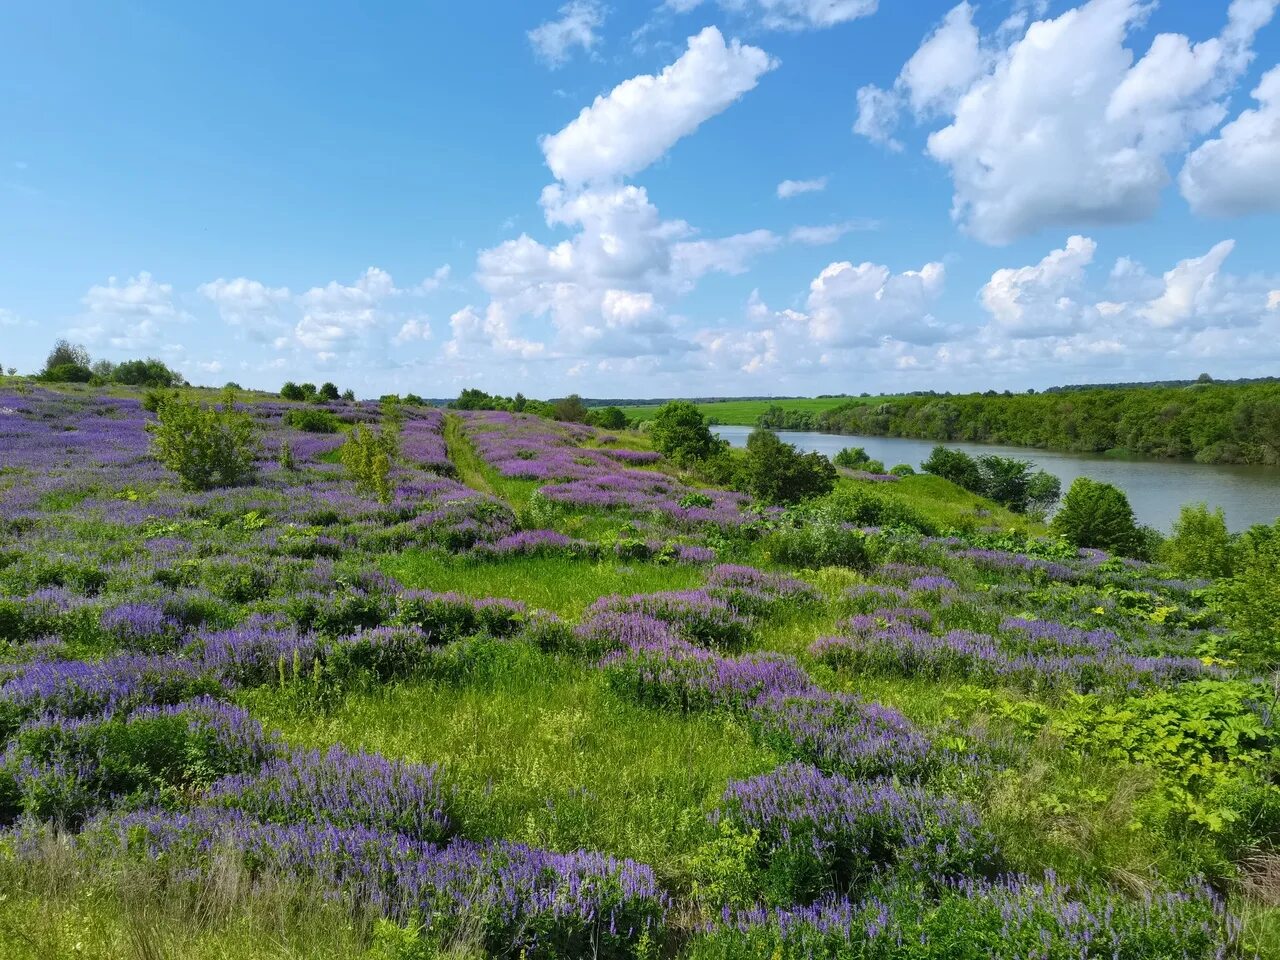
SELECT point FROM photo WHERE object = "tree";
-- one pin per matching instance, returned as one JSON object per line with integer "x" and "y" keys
{"x": 1043, "y": 492}
{"x": 570, "y": 409}
{"x": 205, "y": 446}
{"x": 1098, "y": 515}
{"x": 1005, "y": 480}
{"x": 67, "y": 363}
{"x": 1201, "y": 544}
{"x": 349, "y": 395}
{"x": 956, "y": 466}
{"x": 611, "y": 418}
{"x": 680, "y": 432}
{"x": 291, "y": 391}
{"x": 146, "y": 373}
{"x": 1250, "y": 600}
{"x": 776, "y": 472}
{"x": 328, "y": 392}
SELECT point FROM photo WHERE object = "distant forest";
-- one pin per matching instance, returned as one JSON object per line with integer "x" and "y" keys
{"x": 1210, "y": 422}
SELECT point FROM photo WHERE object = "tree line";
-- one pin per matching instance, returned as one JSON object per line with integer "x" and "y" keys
{"x": 1207, "y": 421}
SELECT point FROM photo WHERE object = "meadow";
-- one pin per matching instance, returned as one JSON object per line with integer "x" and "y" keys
{"x": 547, "y": 695}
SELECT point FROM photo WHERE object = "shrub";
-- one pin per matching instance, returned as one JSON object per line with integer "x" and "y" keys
{"x": 680, "y": 432}
{"x": 1200, "y": 545}
{"x": 851, "y": 458}
{"x": 312, "y": 421}
{"x": 367, "y": 460}
{"x": 145, "y": 373}
{"x": 1098, "y": 515}
{"x": 1250, "y": 600}
{"x": 611, "y": 418}
{"x": 1005, "y": 480}
{"x": 902, "y": 470}
{"x": 1043, "y": 491}
{"x": 777, "y": 472}
{"x": 291, "y": 391}
{"x": 819, "y": 544}
{"x": 570, "y": 409}
{"x": 327, "y": 392}
{"x": 205, "y": 446}
{"x": 956, "y": 466}
{"x": 67, "y": 373}
{"x": 856, "y": 505}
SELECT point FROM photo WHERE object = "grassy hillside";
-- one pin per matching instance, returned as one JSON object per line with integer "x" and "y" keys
{"x": 548, "y": 700}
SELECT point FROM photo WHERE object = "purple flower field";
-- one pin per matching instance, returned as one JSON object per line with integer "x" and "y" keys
{"x": 152, "y": 638}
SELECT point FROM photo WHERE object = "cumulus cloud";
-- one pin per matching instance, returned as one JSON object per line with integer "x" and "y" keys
{"x": 245, "y": 302}
{"x": 1062, "y": 123}
{"x": 413, "y": 329}
{"x": 1238, "y": 172}
{"x": 793, "y": 188}
{"x": 335, "y": 315}
{"x": 857, "y": 305}
{"x": 478, "y": 334}
{"x": 554, "y": 41}
{"x": 1038, "y": 300}
{"x": 129, "y": 315}
{"x": 638, "y": 121}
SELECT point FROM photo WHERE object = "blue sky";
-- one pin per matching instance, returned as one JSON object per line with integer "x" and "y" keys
{"x": 645, "y": 199}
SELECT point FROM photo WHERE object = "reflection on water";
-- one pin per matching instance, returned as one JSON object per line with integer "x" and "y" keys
{"x": 1156, "y": 488}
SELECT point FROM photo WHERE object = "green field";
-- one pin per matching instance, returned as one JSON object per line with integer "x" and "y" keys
{"x": 745, "y": 412}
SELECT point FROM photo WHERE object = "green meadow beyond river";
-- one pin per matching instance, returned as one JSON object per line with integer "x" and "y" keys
{"x": 1157, "y": 489}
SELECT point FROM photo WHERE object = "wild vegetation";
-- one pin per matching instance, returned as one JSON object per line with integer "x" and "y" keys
{"x": 483, "y": 683}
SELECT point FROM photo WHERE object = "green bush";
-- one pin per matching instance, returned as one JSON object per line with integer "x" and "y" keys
{"x": 819, "y": 544}
{"x": 860, "y": 506}
{"x": 366, "y": 456}
{"x": 311, "y": 420}
{"x": 145, "y": 373}
{"x": 956, "y": 466}
{"x": 1201, "y": 544}
{"x": 680, "y": 432}
{"x": 903, "y": 470}
{"x": 205, "y": 446}
{"x": 1098, "y": 515}
{"x": 1250, "y": 599}
{"x": 777, "y": 472}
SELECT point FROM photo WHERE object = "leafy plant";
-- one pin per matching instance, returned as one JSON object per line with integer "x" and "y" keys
{"x": 1098, "y": 515}
{"x": 205, "y": 446}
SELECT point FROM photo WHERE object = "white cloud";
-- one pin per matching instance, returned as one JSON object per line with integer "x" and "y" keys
{"x": 553, "y": 42}
{"x": 1190, "y": 292}
{"x": 336, "y": 315}
{"x": 1273, "y": 300}
{"x": 789, "y": 14}
{"x": 827, "y": 233}
{"x": 638, "y": 121}
{"x": 1238, "y": 172}
{"x": 438, "y": 278}
{"x": 210, "y": 366}
{"x": 1038, "y": 300}
{"x": 140, "y": 296}
{"x": 8, "y": 318}
{"x": 129, "y": 315}
{"x": 852, "y": 305}
{"x": 1059, "y": 124}
{"x": 415, "y": 328}
{"x": 243, "y": 301}
{"x": 694, "y": 259}
{"x": 475, "y": 334}
{"x": 793, "y": 188}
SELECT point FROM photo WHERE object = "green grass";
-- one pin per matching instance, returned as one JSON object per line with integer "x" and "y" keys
{"x": 746, "y": 412}
{"x": 563, "y": 585}
{"x": 543, "y": 752}
{"x": 948, "y": 505}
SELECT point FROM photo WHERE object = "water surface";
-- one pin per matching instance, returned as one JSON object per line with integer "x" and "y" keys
{"x": 1156, "y": 488}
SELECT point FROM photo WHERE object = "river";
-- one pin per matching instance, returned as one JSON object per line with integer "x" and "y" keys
{"x": 1157, "y": 489}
